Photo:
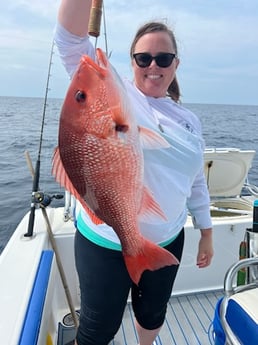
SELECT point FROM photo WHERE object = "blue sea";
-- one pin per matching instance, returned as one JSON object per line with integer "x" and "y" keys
{"x": 20, "y": 131}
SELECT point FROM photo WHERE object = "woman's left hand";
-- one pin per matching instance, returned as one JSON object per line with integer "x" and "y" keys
{"x": 205, "y": 252}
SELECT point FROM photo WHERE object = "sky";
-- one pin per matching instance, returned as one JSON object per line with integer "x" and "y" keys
{"x": 217, "y": 43}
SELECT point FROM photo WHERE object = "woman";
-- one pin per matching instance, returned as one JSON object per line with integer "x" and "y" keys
{"x": 174, "y": 175}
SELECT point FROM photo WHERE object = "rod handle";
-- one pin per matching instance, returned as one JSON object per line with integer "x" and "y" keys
{"x": 95, "y": 18}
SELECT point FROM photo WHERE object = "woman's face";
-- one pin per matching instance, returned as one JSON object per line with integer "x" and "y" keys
{"x": 154, "y": 80}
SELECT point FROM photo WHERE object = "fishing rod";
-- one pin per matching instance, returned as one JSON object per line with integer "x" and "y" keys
{"x": 96, "y": 14}
{"x": 36, "y": 197}
{"x": 95, "y": 18}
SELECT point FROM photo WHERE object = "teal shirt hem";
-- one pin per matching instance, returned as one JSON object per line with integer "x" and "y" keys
{"x": 92, "y": 236}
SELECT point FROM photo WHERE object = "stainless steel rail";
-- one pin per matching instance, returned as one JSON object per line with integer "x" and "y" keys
{"x": 230, "y": 288}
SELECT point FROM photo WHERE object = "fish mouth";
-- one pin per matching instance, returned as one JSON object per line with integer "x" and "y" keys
{"x": 101, "y": 63}
{"x": 101, "y": 58}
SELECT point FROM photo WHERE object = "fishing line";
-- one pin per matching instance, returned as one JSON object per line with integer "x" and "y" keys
{"x": 105, "y": 31}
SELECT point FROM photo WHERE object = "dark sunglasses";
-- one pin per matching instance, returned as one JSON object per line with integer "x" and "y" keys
{"x": 162, "y": 59}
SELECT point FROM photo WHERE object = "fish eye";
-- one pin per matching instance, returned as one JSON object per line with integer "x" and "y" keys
{"x": 121, "y": 128}
{"x": 80, "y": 96}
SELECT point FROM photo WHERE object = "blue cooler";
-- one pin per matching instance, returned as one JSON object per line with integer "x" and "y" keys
{"x": 241, "y": 316}
{"x": 219, "y": 334}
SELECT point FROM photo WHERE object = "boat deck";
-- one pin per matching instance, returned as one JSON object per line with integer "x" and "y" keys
{"x": 188, "y": 322}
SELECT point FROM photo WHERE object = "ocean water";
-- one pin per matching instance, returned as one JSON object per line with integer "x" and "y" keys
{"x": 20, "y": 131}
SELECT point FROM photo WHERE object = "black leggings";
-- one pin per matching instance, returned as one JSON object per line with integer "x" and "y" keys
{"x": 105, "y": 285}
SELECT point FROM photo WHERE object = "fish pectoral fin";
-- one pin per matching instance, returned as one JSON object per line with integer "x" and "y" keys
{"x": 151, "y": 140}
{"x": 151, "y": 257}
{"x": 150, "y": 207}
{"x": 58, "y": 171}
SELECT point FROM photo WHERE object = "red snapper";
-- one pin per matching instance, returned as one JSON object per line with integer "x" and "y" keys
{"x": 99, "y": 159}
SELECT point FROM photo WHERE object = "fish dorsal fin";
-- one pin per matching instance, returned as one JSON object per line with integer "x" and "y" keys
{"x": 149, "y": 207}
{"x": 151, "y": 140}
{"x": 63, "y": 179}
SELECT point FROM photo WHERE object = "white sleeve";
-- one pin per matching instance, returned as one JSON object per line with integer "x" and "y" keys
{"x": 199, "y": 203}
{"x": 71, "y": 48}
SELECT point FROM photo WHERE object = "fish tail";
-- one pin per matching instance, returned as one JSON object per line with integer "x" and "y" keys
{"x": 150, "y": 257}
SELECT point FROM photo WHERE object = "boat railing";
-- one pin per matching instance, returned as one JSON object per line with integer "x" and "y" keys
{"x": 69, "y": 206}
{"x": 230, "y": 289}
{"x": 251, "y": 188}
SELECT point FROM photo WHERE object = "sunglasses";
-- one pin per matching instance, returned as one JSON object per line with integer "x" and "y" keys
{"x": 162, "y": 59}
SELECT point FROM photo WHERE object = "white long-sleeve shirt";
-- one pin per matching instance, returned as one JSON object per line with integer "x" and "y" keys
{"x": 174, "y": 175}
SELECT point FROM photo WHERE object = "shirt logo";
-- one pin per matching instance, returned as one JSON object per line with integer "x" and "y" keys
{"x": 187, "y": 126}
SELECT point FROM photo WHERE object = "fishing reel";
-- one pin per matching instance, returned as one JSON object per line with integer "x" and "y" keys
{"x": 43, "y": 199}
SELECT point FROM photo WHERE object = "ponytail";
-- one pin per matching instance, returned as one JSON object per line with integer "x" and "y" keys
{"x": 174, "y": 91}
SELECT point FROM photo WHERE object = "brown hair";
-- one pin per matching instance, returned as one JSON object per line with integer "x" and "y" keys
{"x": 173, "y": 90}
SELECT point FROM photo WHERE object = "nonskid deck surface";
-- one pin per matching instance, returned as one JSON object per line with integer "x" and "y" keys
{"x": 188, "y": 322}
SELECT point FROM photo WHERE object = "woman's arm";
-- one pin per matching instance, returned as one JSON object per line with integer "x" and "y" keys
{"x": 205, "y": 250}
{"x": 71, "y": 33}
{"x": 74, "y": 16}
{"x": 199, "y": 203}
{"x": 199, "y": 206}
